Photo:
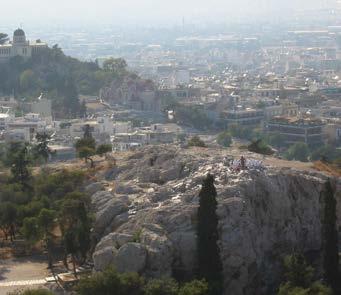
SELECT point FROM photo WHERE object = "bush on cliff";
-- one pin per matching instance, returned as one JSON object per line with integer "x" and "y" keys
{"x": 299, "y": 278}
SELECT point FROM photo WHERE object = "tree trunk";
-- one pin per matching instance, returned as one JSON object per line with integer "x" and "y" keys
{"x": 65, "y": 261}
{"x": 74, "y": 265}
{"x": 49, "y": 256}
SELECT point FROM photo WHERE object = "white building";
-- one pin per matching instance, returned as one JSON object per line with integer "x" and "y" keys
{"x": 99, "y": 129}
{"x": 20, "y": 47}
{"x": 31, "y": 122}
{"x": 5, "y": 118}
{"x": 123, "y": 127}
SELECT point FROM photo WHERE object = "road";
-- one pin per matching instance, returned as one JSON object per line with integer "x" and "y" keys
{"x": 18, "y": 272}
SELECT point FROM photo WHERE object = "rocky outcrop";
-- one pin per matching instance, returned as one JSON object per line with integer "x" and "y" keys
{"x": 131, "y": 257}
{"x": 150, "y": 219}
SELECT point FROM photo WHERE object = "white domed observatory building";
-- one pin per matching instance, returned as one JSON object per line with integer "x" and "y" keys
{"x": 20, "y": 47}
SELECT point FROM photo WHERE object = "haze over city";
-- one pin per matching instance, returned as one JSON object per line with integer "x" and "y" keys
{"x": 151, "y": 12}
{"x": 180, "y": 147}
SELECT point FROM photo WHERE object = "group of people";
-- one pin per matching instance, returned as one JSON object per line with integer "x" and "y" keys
{"x": 246, "y": 164}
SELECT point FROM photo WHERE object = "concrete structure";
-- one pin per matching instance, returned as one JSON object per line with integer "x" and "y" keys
{"x": 273, "y": 111}
{"x": 154, "y": 134}
{"x": 17, "y": 135}
{"x": 122, "y": 127}
{"x": 5, "y": 119}
{"x": 332, "y": 132}
{"x": 101, "y": 129}
{"x": 241, "y": 116}
{"x": 41, "y": 106}
{"x": 296, "y": 129}
{"x": 31, "y": 122}
{"x": 8, "y": 102}
{"x": 20, "y": 47}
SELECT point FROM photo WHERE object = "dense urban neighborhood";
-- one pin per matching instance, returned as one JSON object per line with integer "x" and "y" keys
{"x": 194, "y": 159}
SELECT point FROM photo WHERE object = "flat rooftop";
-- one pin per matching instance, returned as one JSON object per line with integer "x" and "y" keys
{"x": 296, "y": 121}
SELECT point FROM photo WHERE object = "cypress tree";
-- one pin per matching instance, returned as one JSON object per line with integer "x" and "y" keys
{"x": 209, "y": 264}
{"x": 330, "y": 240}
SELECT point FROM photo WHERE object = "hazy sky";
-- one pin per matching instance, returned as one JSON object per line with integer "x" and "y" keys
{"x": 145, "y": 11}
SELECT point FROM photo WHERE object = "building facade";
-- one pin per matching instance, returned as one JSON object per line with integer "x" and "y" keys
{"x": 19, "y": 46}
{"x": 293, "y": 130}
{"x": 246, "y": 116}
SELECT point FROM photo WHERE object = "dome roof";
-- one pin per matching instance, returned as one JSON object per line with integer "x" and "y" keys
{"x": 19, "y": 32}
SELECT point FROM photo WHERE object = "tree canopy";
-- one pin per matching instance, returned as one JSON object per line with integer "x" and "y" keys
{"x": 299, "y": 152}
{"x": 61, "y": 77}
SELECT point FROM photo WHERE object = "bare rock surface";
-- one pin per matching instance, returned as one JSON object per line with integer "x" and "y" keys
{"x": 150, "y": 219}
{"x": 131, "y": 257}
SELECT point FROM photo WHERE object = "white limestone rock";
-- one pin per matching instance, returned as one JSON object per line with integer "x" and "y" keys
{"x": 131, "y": 257}
{"x": 104, "y": 257}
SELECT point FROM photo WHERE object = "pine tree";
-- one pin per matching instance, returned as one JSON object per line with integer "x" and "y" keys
{"x": 42, "y": 149}
{"x": 330, "y": 240}
{"x": 86, "y": 147}
{"x": 19, "y": 167}
{"x": 209, "y": 264}
{"x": 71, "y": 101}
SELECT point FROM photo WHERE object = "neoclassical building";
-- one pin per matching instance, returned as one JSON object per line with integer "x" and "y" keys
{"x": 20, "y": 46}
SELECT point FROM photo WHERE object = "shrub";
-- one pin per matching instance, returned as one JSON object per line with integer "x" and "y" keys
{"x": 224, "y": 139}
{"x": 196, "y": 141}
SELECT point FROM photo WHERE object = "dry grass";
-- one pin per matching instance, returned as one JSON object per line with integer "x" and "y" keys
{"x": 329, "y": 168}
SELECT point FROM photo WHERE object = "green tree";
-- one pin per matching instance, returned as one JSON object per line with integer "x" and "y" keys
{"x": 196, "y": 141}
{"x": 116, "y": 66}
{"x": 86, "y": 147}
{"x": 330, "y": 240}
{"x": 3, "y": 38}
{"x": 19, "y": 166}
{"x": 31, "y": 230}
{"x": 103, "y": 149}
{"x": 75, "y": 226}
{"x": 241, "y": 132}
{"x": 83, "y": 109}
{"x": 87, "y": 131}
{"x": 8, "y": 219}
{"x": 47, "y": 222}
{"x": 260, "y": 147}
{"x": 299, "y": 278}
{"x": 209, "y": 263}
{"x": 111, "y": 282}
{"x": 315, "y": 289}
{"x": 224, "y": 139}
{"x": 39, "y": 228}
{"x": 298, "y": 151}
{"x": 70, "y": 97}
{"x": 277, "y": 140}
{"x": 27, "y": 81}
{"x": 192, "y": 116}
{"x": 195, "y": 287}
{"x": 42, "y": 149}
{"x": 165, "y": 286}
{"x": 297, "y": 271}
{"x": 326, "y": 153}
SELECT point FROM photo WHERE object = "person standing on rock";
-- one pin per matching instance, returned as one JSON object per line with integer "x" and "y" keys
{"x": 242, "y": 163}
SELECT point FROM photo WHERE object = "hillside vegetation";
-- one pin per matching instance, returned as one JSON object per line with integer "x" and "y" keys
{"x": 59, "y": 76}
